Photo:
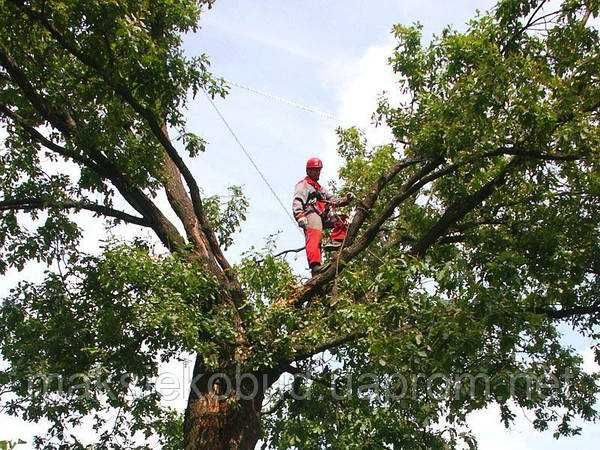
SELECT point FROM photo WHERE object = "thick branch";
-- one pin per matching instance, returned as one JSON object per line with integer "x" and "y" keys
{"x": 156, "y": 124}
{"x": 327, "y": 345}
{"x": 410, "y": 188}
{"x": 43, "y": 140}
{"x": 365, "y": 205}
{"x": 63, "y": 122}
{"x": 196, "y": 199}
{"x": 181, "y": 204}
{"x": 586, "y": 16}
{"x": 37, "y": 203}
{"x": 458, "y": 210}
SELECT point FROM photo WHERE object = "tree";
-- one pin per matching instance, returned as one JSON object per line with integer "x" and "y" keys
{"x": 475, "y": 235}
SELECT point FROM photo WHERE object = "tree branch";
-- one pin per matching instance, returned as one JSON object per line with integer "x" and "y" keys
{"x": 278, "y": 404}
{"x": 567, "y": 313}
{"x": 533, "y": 155}
{"x": 43, "y": 140}
{"x": 285, "y": 252}
{"x": 411, "y": 187}
{"x": 586, "y": 16}
{"x": 459, "y": 209}
{"x": 520, "y": 31}
{"x": 38, "y": 203}
{"x": 327, "y": 345}
{"x": 530, "y": 21}
{"x": 63, "y": 122}
{"x": 156, "y": 124}
{"x": 365, "y": 205}
{"x": 182, "y": 205}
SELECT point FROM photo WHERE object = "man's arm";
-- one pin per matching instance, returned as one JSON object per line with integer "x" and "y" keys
{"x": 299, "y": 202}
{"x": 340, "y": 201}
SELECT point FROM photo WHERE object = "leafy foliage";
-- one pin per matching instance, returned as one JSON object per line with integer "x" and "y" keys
{"x": 227, "y": 217}
{"x": 138, "y": 47}
{"x": 479, "y": 237}
{"x": 83, "y": 340}
{"x": 477, "y": 304}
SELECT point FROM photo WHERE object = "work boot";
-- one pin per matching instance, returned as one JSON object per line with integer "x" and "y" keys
{"x": 331, "y": 246}
{"x": 315, "y": 269}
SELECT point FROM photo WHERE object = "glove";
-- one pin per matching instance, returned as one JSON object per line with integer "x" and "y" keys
{"x": 302, "y": 222}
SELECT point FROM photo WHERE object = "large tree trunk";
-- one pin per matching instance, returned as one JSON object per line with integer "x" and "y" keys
{"x": 223, "y": 413}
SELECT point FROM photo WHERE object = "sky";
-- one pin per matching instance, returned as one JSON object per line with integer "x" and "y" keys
{"x": 329, "y": 57}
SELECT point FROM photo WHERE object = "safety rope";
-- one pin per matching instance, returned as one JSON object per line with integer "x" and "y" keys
{"x": 247, "y": 153}
{"x": 323, "y": 114}
{"x": 259, "y": 171}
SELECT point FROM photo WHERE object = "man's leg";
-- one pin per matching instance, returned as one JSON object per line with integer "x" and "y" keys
{"x": 313, "y": 233}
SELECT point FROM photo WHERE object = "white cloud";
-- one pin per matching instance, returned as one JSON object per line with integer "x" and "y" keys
{"x": 359, "y": 84}
{"x": 589, "y": 363}
{"x": 492, "y": 435}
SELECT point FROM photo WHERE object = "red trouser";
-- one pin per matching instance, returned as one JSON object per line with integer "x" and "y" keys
{"x": 314, "y": 231}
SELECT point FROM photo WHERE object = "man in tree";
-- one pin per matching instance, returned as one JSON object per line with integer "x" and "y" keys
{"x": 313, "y": 208}
{"x": 498, "y": 131}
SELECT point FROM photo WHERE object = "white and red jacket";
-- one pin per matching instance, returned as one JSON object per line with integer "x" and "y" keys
{"x": 310, "y": 196}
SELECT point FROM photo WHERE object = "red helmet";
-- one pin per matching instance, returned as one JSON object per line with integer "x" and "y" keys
{"x": 314, "y": 163}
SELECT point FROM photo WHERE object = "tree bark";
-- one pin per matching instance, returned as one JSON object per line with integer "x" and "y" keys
{"x": 224, "y": 409}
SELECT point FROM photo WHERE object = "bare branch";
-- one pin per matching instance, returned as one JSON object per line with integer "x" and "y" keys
{"x": 285, "y": 252}
{"x": 520, "y": 31}
{"x": 530, "y": 21}
{"x": 26, "y": 204}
